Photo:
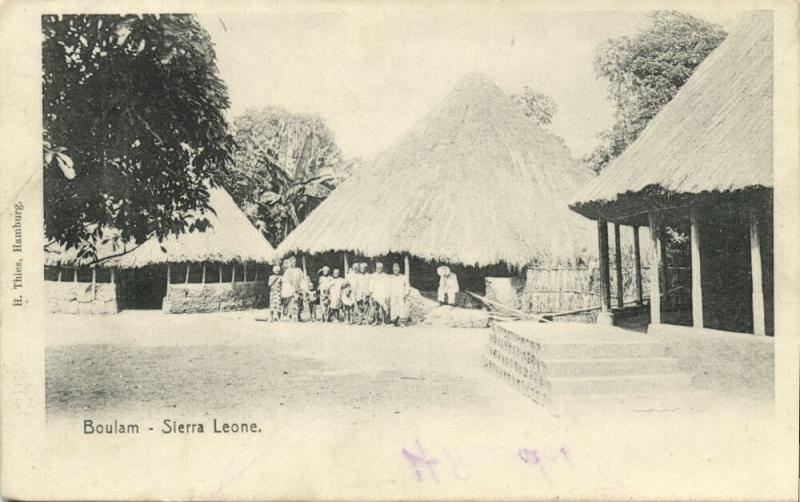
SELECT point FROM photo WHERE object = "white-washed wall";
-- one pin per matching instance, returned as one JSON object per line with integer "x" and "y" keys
{"x": 81, "y": 297}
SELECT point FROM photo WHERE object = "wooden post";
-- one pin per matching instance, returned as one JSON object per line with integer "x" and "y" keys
{"x": 605, "y": 286}
{"x": 168, "y": 275}
{"x": 618, "y": 267}
{"x": 305, "y": 271}
{"x": 407, "y": 269}
{"x": 697, "y": 283}
{"x": 245, "y": 271}
{"x": 204, "y": 273}
{"x": 662, "y": 242}
{"x": 94, "y": 283}
{"x": 655, "y": 248}
{"x": 346, "y": 265}
{"x": 233, "y": 273}
{"x": 74, "y": 275}
{"x": 188, "y": 266}
{"x": 59, "y": 274}
{"x": 112, "y": 276}
{"x": 759, "y": 324}
{"x": 220, "y": 273}
{"x": 637, "y": 266}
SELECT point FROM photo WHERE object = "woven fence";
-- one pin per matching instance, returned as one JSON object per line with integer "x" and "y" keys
{"x": 567, "y": 289}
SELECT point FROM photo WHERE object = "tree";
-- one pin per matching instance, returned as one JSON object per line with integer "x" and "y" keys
{"x": 134, "y": 131}
{"x": 283, "y": 166}
{"x": 645, "y": 72}
{"x": 537, "y": 106}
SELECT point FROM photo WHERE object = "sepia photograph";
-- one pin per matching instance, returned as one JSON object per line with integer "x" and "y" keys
{"x": 401, "y": 252}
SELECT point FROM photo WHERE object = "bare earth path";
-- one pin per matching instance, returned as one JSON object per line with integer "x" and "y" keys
{"x": 229, "y": 362}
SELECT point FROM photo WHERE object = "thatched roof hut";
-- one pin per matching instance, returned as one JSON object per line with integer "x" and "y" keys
{"x": 230, "y": 238}
{"x": 475, "y": 182}
{"x": 714, "y": 137}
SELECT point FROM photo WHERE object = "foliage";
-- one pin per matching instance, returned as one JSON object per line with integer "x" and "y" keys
{"x": 133, "y": 127}
{"x": 537, "y": 106}
{"x": 645, "y": 72}
{"x": 284, "y": 165}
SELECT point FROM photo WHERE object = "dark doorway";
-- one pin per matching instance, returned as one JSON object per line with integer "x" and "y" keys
{"x": 423, "y": 272}
{"x": 142, "y": 288}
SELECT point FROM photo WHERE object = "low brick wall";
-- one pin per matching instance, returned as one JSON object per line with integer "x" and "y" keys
{"x": 722, "y": 361}
{"x": 78, "y": 297}
{"x": 215, "y": 297}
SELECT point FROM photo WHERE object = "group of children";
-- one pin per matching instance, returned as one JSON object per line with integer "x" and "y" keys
{"x": 359, "y": 298}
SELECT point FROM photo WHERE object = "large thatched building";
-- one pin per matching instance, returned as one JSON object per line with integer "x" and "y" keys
{"x": 704, "y": 163}
{"x": 222, "y": 268}
{"x": 475, "y": 184}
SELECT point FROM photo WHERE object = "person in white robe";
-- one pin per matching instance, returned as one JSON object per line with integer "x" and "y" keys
{"x": 379, "y": 295}
{"x": 398, "y": 292}
{"x": 291, "y": 288}
{"x": 448, "y": 286}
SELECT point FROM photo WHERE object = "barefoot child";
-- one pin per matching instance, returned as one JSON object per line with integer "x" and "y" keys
{"x": 274, "y": 283}
{"x": 348, "y": 303}
{"x": 312, "y": 298}
{"x": 335, "y": 285}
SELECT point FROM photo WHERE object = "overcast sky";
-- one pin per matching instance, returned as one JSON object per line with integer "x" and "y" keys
{"x": 372, "y": 76}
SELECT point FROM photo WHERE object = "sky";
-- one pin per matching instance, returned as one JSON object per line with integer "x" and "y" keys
{"x": 371, "y": 75}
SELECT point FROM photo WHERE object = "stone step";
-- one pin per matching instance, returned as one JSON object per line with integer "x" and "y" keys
{"x": 604, "y": 350}
{"x": 609, "y": 366}
{"x": 619, "y": 384}
{"x": 687, "y": 400}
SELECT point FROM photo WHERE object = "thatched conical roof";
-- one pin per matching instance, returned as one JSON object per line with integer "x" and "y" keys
{"x": 715, "y": 136}
{"x": 475, "y": 182}
{"x": 229, "y": 238}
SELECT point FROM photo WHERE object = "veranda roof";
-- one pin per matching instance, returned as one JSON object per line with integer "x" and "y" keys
{"x": 475, "y": 182}
{"x": 714, "y": 137}
{"x": 230, "y": 238}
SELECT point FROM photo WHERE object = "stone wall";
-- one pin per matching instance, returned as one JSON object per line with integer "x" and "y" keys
{"x": 79, "y": 297}
{"x": 722, "y": 361}
{"x": 215, "y": 297}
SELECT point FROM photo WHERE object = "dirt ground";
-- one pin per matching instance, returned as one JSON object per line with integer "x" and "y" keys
{"x": 150, "y": 362}
{"x": 356, "y": 412}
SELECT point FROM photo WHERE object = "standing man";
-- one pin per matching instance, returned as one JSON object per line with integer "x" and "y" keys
{"x": 363, "y": 298}
{"x": 378, "y": 293}
{"x": 291, "y": 288}
{"x": 398, "y": 290}
{"x": 356, "y": 281}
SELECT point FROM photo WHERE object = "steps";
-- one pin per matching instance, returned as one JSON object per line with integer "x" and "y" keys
{"x": 588, "y": 367}
{"x": 610, "y": 366}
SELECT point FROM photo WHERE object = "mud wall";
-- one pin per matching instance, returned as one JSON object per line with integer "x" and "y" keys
{"x": 215, "y": 297}
{"x": 80, "y": 297}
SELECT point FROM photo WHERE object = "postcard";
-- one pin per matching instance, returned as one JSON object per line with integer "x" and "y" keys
{"x": 399, "y": 250}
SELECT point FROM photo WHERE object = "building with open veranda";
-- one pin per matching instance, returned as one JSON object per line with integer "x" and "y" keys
{"x": 702, "y": 170}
